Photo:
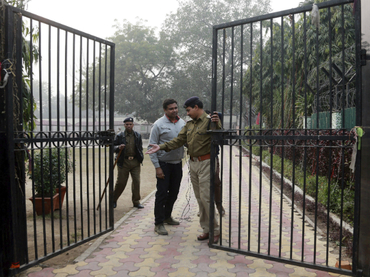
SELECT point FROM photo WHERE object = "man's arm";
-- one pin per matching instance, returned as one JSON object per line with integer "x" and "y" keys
{"x": 176, "y": 142}
{"x": 173, "y": 144}
{"x": 154, "y": 139}
{"x": 116, "y": 143}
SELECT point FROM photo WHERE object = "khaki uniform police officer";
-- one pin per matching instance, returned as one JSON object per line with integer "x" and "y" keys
{"x": 131, "y": 145}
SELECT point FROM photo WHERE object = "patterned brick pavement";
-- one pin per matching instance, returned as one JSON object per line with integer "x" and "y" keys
{"x": 134, "y": 249}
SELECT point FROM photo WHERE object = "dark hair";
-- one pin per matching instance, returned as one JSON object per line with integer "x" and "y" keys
{"x": 167, "y": 102}
{"x": 194, "y": 103}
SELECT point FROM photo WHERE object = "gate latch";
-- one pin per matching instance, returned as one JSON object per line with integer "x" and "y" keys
{"x": 364, "y": 57}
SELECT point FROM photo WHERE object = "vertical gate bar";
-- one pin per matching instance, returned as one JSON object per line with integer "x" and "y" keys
{"x": 49, "y": 138}
{"x": 66, "y": 129}
{"x": 232, "y": 76}
{"x": 100, "y": 154}
{"x": 344, "y": 127}
{"x": 31, "y": 145}
{"x": 343, "y": 71}
{"x": 230, "y": 122}
{"x": 305, "y": 128}
{"x": 240, "y": 128}
{"x": 359, "y": 122}
{"x": 80, "y": 141}
{"x": 341, "y": 210}
{"x": 10, "y": 131}
{"x": 213, "y": 108}
{"x": 214, "y": 70}
{"x": 223, "y": 112}
{"x": 74, "y": 142}
{"x": 330, "y": 143}
{"x": 94, "y": 133}
{"x": 260, "y": 144}
{"x": 317, "y": 148}
{"x": 42, "y": 173}
{"x": 87, "y": 137}
{"x": 107, "y": 204}
{"x": 250, "y": 142}
{"x": 282, "y": 142}
{"x": 49, "y": 141}
{"x": 41, "y": 132}
{"x": 294, "y": 149}
{"x": 111, "y": 124}
{"x": 272, "y": 126}
{"x": 18, "y": 76}
{"x": 58, "y": 143}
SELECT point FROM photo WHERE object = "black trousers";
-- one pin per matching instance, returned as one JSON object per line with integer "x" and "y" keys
{"x": 167, "y": 191}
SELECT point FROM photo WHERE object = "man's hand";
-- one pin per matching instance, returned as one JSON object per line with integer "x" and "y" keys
{"x": 154, "y": 148}
{"x": 214, "y": 117}
{"x": 121, "y": 146}
{"x": 159, "y": 173}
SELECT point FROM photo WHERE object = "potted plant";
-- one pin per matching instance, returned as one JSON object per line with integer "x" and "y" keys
{"x": 50, "y": 168}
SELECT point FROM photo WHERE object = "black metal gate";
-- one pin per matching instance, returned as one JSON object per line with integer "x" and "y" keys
{"x": 288, "y": 85}
{"x": 57, "y": 90}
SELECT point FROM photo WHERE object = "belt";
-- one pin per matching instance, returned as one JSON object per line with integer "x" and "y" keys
{"x": 130, "y": 157}
{"x": 201, "y": 158}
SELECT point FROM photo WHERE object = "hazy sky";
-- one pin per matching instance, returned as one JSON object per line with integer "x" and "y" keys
{"x": 97, "y": 17}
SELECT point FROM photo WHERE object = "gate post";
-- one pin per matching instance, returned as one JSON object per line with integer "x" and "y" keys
{"x": 13, "y": 234}
{"x": 364, "y": 222}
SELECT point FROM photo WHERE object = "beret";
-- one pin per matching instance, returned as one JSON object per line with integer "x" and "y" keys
{"x": 129, "y": 119}
{"x": 190, "y": 101}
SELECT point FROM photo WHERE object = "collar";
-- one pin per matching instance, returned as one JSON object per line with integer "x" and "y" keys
{"x": 202, "y": 117}
{"x": 176, "y": 119}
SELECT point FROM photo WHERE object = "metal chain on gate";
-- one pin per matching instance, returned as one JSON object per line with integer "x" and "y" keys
{"x": 186, "y": 209}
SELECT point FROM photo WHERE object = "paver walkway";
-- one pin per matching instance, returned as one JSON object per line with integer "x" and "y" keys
{"x": 134, "y": 249}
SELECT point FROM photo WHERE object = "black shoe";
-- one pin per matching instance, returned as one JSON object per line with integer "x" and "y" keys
{"x": 139, "y": 206}
{"x": 171, "y": 221}
{"x": 114, "y": 205}
{"x": 160, "y": 230}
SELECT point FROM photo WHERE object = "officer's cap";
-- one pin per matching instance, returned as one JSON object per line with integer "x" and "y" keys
{"x": 191, "y": 101}
{"x": 129, "y": 119}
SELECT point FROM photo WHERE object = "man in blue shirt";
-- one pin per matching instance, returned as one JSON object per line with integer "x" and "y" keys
{"x": 168, "y": 165}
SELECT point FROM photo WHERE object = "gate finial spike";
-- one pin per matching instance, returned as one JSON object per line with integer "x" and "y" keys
{"x": 315, "y": 16}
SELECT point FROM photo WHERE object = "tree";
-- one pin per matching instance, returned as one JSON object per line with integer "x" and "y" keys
{"x": 190, "y": 29}
{"x": 143, "y": 66}
{"x": 306, "y": 63}
{"x": 143, "y": 63}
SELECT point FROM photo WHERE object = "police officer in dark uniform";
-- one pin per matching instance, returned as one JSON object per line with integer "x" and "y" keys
{"x": 131, "y": 145}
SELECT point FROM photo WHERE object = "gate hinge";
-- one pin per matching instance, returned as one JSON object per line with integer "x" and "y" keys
{"x": 364, "y": 57}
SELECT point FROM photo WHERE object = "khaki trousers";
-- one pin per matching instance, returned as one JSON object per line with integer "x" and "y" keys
{"x": 200, "y": 178}
{"x": 129, "y": 167}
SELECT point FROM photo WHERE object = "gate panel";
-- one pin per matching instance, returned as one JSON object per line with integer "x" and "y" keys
{"x": 286, "y": 86}
{"x": 61, "y": 128}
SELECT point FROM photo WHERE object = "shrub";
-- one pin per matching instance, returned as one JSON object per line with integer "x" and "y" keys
{"x": 50, "y": 168}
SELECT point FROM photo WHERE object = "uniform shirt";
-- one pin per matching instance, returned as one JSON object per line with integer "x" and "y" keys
{"x": 130, "y": 144}
{"x": 164, "y": 130}
{"x": 195, "y": 135}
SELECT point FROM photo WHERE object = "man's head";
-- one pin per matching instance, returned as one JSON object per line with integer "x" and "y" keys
{"x": 170, "y": 108}
{"x": 129, "y": 124}
{"x": 194, "y": 107}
